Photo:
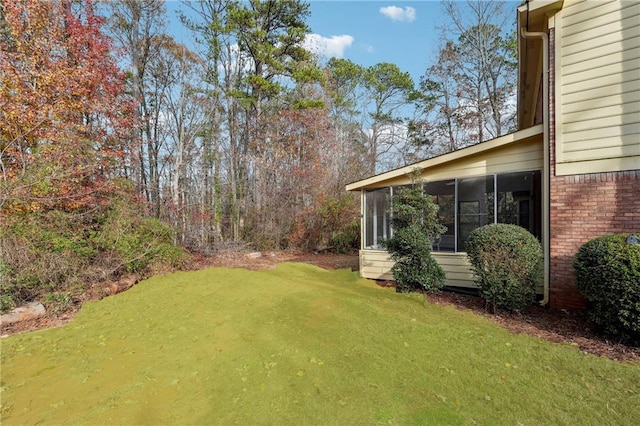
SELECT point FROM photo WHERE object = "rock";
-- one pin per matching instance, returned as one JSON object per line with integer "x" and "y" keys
{"x": 117, "y": 287}
{"x": 254, "y": 255}
{"x": 27, "y": 312}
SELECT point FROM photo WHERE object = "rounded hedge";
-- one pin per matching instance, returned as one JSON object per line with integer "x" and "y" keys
{"x": 608, "y": 274}
{"x": 507, "y": 263}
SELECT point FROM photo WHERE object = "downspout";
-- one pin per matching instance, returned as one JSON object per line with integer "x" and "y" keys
{"x": 546, "y": 157}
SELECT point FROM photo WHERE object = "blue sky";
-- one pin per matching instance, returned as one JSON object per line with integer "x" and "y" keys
{"x": 367, "y": 32}
{"x": 403, "y": 33}
{"x": 364, "y": 31}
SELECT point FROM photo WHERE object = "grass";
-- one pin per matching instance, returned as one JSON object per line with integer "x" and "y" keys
{"x": 299, "y": 345}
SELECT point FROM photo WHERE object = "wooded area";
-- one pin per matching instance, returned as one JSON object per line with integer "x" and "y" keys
{"x": 113, "y": 131}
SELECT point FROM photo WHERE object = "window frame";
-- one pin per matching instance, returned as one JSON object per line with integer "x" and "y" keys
{"x": 534, "y": 199}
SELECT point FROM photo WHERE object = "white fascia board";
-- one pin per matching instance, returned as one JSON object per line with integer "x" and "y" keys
{"x": 541, "y": 6}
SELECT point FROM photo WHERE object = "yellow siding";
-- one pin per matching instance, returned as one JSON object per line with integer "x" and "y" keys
{"x": 598, "y": 86}
{"x": 376, "y": 265}
{"x": 521, "y": 156}
{"x": 518, "y": 151}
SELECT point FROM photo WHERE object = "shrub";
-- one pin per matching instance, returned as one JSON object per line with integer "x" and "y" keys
{"x": 415, "y": 222}
{"x": 608, "y": 274}
{"x": 331, "y": 223}
{"x": 139, "y": 242}
{"x": 43, "y": 251}
{"x": 346, "y": 239}
{"x": 507, "y": 263}
{"x": 414, "y": 267}
{"x": 58, "y": 302}
{"x": 48, "y": 252}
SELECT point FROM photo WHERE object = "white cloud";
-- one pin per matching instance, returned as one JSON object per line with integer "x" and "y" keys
{"x": 328, "y": 47}
{"x": 395, "y": 13}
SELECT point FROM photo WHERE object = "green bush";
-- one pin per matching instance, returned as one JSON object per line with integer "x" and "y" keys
{"x": 414, "y": 267}
{"x": 608, "y": 274}
{"x": 139, "y": 242}
{"x": 346, "y": 239}
{"x": 48, "y": 252}
{"x": 42, "y": 251}
{"x": 415, "y": 223}
{"x": 507, "y": 263}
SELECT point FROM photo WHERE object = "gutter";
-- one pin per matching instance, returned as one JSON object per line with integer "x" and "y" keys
{"x": 546, "y": 157}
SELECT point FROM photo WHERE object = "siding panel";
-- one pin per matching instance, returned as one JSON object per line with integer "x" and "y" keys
{"x": 598, "y": 52}
{"x": 599, "y": 66}
{"x": 590, "y": 12}
{"x": 600, "y": 33}
{"x": 375, "y": 264}
{"x": 601, "y": 40}
{"x": 602, "y": 123}
{"x": 596, "y": 152}
{"x": 630, "y": 130}
{"x": 627, "y": 92}
{"x": 597, "y": 111}
{"x": 599, "y": 85}
{"x": 616, "y": 74}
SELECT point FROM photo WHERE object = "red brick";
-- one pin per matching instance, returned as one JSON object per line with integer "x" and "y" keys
{"x": 583, "y": 207}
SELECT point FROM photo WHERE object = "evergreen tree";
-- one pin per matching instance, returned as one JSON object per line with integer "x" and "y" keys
{"x": 415, "y": 225}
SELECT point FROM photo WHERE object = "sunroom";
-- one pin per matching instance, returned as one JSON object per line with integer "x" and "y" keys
{"x": 497, "y": 181}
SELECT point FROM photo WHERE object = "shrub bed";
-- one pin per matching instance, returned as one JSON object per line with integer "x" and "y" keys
{"x": 608, "y": 274}
{"x": 49, "y": 255}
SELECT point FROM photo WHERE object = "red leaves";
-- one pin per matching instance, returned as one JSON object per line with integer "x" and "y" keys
{"x": 60, "y": 93}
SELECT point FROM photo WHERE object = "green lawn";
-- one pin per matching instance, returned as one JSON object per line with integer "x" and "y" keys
{"x": 299, "y": 345}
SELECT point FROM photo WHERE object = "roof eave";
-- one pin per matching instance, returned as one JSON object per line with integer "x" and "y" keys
{"x": 445, "y": 158}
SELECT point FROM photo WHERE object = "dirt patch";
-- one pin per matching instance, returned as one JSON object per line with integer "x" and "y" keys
{"x": 548, "y": 324}
{"x": 268, "y": 260}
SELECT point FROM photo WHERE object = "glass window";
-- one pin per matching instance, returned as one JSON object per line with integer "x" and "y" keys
{"x": 465, "y": 204}
{"x": 377, "y": 224}
{"x": 444, "y": 195}
{"x": 475, "y": 206}
{"x": 519, "y": 200}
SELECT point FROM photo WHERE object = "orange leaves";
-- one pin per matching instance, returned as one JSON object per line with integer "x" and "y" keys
{"x": 60, "y": 93}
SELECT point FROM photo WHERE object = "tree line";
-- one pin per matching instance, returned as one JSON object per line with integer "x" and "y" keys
{"x": 244, "y": 135}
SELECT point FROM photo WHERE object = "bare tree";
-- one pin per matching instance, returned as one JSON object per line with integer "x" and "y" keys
{"x": 468, "y": 94}
{"x": 134, "y": 24}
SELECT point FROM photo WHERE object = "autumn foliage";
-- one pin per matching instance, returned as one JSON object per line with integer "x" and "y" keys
{"x": 68, "y": 218}
{"x": 63, "y": 116}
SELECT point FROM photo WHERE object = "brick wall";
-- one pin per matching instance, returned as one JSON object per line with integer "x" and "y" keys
{"x": 583, "y": 207}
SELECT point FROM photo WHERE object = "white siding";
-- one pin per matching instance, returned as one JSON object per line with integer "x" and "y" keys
{"x": 598, "y": 86}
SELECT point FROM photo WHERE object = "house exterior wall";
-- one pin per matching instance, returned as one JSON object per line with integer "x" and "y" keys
{"x": 597, "y": 65}
{"x": 376, "y": 265}
{"x": 594, "y": 138}
{"x": 595, "y": 194}
{"x": 584, "y": 207}
{"x": 518, "y": 156}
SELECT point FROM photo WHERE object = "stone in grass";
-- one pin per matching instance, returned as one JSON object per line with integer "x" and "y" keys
{"x": 27, "y": 312}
